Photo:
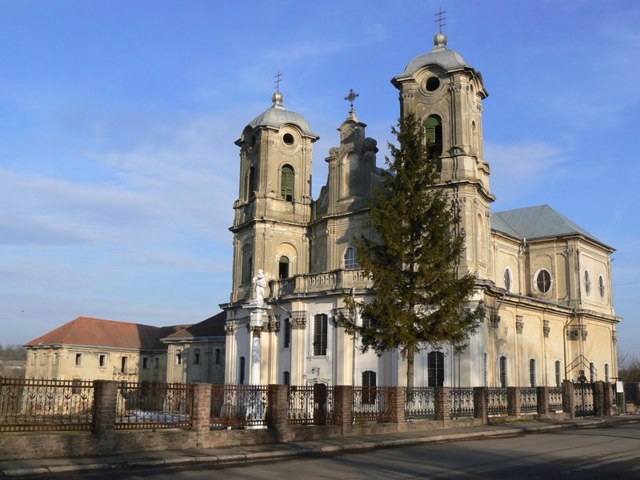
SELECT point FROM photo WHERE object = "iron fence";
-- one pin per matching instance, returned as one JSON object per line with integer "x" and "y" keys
{"x": 461, "y": 402}
{"x": 149, "y": 405}
{"x": 528, "y": 400}
{"x": 372, "y": 404}
{"x": 420, "y": 403}
{"x": 555, "y": 399}
{"x": 41, "y": 405}
{"x": 497, "y": 401}
{"x": 583, "y": 397}
{"x": 301, "y": 405}
{"x": 238, "y": 406}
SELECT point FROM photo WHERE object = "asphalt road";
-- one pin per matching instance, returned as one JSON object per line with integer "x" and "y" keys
{"x": 611, "y": 452}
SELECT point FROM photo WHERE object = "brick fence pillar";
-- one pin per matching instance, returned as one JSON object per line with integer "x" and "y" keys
{"x": 568, "y": 399}
{"x": 105, "y": 394}
{"x": 443, "y": 404}
{"x": 480, "y": 403}
{"x": 278, "y": 409}
{"x": 513, "y": 401}
{"x": 598, "y": 399}
{"x": 201, "y": 412}
{"x": 542, "y": 398}
{"x": 343, "y": 405}
{"x": 397, "y": 400}
{"x": 609, "y": 392}
{"x": 319, "y": 404}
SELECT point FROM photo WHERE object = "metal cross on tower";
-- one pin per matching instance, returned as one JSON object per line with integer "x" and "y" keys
{"x": 351, "y": 98}
{"x": 278, "y": 79}
{"x": 441, "y": 18}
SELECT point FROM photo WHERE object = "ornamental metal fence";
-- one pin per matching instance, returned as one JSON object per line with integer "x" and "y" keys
{"x": 301, "y": 405}
{"x": 372, "y": 404}
{"x": 41, "y": 405}
{"x": 528, "y": 400}
{"x": 497, "y": 402}
{"x": 150, "y": 405}
{"x": 420, "y": 403}
{"x": 555, "y": 399}
{"x": 583, "y": 397}
{"x": 461, "y": 402}
{"x": 239, "y": 406}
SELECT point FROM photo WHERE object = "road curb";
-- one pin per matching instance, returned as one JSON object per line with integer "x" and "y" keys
{"x": 280, "y": 453}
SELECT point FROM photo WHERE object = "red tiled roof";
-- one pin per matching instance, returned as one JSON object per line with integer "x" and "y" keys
{"x": 105, "y": 333}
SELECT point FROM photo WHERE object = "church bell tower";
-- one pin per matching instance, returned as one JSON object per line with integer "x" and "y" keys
{"x": 273, "y": 210}
{"x": 441, "y": 89}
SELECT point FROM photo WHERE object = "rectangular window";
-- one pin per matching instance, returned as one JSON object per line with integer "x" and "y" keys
{"x": 369, "y": 387}
{"x": 242, "y": 375}
{"x": 286, "y": 378}
{"x": 320, "y": 334}
{"x": 435, "y": 369}
{"x": 606, "y": 372}
{"x": 532, "y": 372}
{"x": 196, "y": 356}
{"x": 102, "y": 360}
{"x": 145, "y": 363}
{"x": 78, "y": 359}
{"x": 179, "y": 357}
{"x": 156, "y": 363}
{"x": 287, "y": 333}
{"x": 558, "y": 374}
{"x": 76, "y": 387}
{"x": 124, "y": 363}
{"x": 218, "y": 356}
{"x": 503, "y": 372}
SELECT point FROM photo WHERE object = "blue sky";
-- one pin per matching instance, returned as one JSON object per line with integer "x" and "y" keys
{"x": 117, "y": 120}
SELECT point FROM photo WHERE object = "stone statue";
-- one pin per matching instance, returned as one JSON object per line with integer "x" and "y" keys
{"x": 259, "y": 283}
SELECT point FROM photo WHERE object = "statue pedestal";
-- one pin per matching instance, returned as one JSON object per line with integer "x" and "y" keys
{"x": 257, "y": 316}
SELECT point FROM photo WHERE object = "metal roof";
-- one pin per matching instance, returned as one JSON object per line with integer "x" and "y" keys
{"x": 277, "y": 116}
{"x": 536, "y": 222}
{"x": 440, "y": 55}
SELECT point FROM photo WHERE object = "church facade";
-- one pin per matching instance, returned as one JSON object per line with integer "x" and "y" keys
{"x": 544, "y": 281}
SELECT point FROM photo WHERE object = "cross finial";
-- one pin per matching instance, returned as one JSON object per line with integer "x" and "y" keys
{"x": 441, "y": 18}
{"x": 351, "y": 98}
{"x": 278, "y": 79}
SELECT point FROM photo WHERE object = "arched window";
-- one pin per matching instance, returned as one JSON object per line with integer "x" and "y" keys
{"x": 433, "y": 134}
{"x": 283, "y": 267}
{"x": 503, "y": 372}
{"x": 369, "y": 387}
{"x": 587, "y": 283}
{"x": 532, "y": 372}
{"x": 543, "y": 281}
{"x": 507, "y": 279}
{"x": 351, "y": 259}
{"x": 435, "y": 369}
{"x": 286, "y": 183}
{"x": 320, "y": 334}
{"x": 601, "y": 285}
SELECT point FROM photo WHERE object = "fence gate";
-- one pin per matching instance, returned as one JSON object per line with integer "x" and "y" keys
{"x": 583, "y": 395}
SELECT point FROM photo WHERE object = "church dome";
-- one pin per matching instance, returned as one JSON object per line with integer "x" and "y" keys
{"x": 440, "y": 55}
{"x": 277, "y": 116}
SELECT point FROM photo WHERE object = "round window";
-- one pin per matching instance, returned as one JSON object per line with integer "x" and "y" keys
{"x": 432, "y": 84}
{"x": 288, "y": 139}
{"x": 543, "y": 281}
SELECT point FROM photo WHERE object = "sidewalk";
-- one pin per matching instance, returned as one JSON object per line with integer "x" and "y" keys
{"x": 239, "y": 455}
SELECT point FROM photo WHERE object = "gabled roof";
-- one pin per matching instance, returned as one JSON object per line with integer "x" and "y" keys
{"x": 532, "y": 223}
{"x": 211, "y": 327}
{"x": 96, "y": 332}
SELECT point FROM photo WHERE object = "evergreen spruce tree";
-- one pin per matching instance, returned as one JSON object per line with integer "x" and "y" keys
{"x": 418, "y": 295}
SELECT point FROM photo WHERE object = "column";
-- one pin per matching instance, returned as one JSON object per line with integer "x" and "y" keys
{"x": 298, "y": 347}
{"x": 230, "y": 353}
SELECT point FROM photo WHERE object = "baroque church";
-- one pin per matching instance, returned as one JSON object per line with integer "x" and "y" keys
{"x": 544, "y": 281}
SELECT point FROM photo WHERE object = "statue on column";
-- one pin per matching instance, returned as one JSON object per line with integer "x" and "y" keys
{"x": 259, "y": 283}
